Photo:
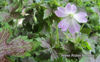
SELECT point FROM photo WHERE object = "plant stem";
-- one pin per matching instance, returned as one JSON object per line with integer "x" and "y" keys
{"x": 57, "y": 36}
{"x": 82, "y": 27}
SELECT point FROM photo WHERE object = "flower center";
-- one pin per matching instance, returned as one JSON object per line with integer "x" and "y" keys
{"x": 71, "y": 15}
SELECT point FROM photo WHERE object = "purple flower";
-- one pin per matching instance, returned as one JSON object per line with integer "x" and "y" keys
{"x": 70, "y": 18}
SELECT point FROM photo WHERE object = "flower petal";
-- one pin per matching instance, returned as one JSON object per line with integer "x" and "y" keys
{"x": 74, "y": 27}
{"x": 63, "y": 25}
{"x": 61, "y": 9}
{"x": 81, "y": 17}
{"x": 73, "y": 8}
{"x": 70, "y": 8}
{"x": 60, "y": 12}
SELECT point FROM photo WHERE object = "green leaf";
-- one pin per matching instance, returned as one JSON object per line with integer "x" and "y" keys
{"x": 94, "y": 19}
{"x": 47, "y": 13}
{"x": 87, "y": 58}
{"x": 86, "y": 30}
